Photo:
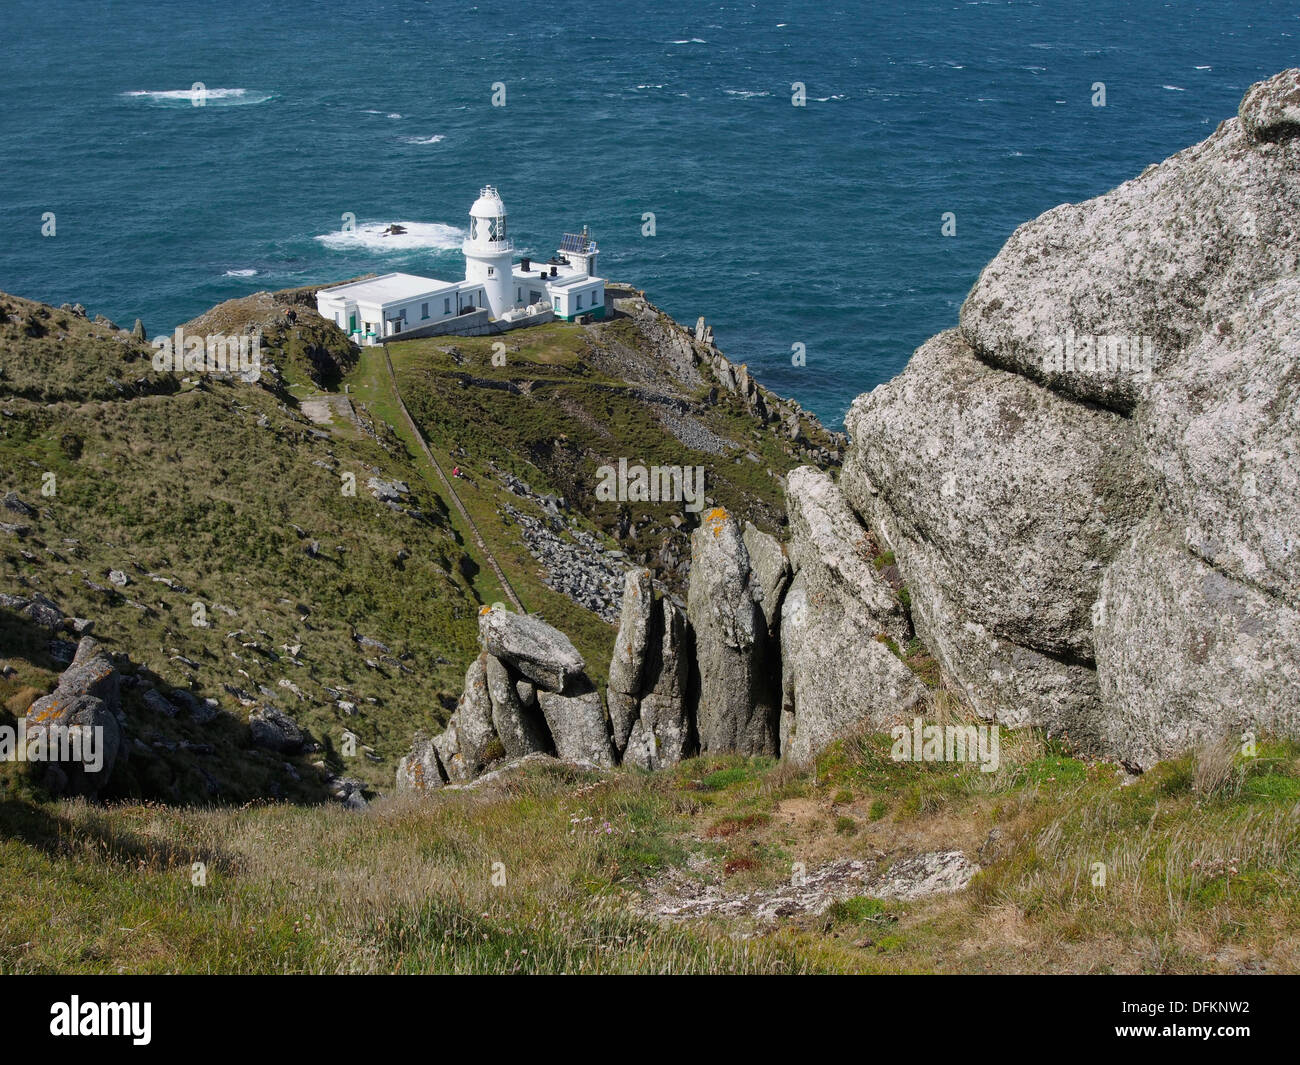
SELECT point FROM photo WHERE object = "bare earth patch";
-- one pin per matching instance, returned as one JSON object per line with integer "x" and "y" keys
{"x": 677, "y": 895}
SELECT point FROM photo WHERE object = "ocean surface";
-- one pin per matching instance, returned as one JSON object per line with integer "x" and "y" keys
{"x": 817, "y": 225}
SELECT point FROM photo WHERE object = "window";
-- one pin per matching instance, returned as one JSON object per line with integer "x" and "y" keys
{"x": 595, "y": 298}
{"x": 446, "y": 305}
{"x": 424, "y": 310}
{"x": 519, "y": 295}
{"x": 491, "y": 270}
{"x": 579, "y": 301}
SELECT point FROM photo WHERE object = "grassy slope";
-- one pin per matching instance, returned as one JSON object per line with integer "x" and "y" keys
{"x": 1198, "y": 880}
{"x": 187, "y": 484}
{"x": 204, "y": 485}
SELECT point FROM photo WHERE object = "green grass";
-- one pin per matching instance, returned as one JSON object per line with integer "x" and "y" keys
{"x": 1194, "y": 883}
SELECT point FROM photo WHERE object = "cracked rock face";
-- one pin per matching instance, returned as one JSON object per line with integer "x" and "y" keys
{"x": 517, "y": 720}
{"x": 465, "y": 748}
{"x": 736, "y": 660}
{"x": 1186, "y": 654}
{"x": 1163, "y": 256}
{"x": 420, "y": 770}
{"x": 662, "y": 733}
{"x": 1106, "y": 544}
{"x": 649, "y": 676}
{"x": 627, "y": 664}
{"x": 838, "y": 672}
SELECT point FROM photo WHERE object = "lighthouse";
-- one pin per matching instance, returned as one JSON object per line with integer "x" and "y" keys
{"x": 497, "y": 293}
{"x": 488, "y": 252}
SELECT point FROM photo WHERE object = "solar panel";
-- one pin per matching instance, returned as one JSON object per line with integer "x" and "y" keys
{"x": 579, "y": 243}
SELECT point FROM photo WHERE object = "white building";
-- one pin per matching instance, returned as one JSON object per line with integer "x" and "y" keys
{"x": 566, "y": 284}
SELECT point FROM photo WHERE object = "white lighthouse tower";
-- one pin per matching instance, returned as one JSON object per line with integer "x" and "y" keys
{"x": 488, "y": 251}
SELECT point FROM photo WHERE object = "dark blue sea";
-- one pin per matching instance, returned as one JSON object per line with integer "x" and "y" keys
{"x": 817, "y": 225}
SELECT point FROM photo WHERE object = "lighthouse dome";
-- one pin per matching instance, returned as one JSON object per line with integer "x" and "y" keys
{"x": 488, "y": 204}
{"x": 487, "y": 220}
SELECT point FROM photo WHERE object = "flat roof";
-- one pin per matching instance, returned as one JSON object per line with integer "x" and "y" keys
{"x": 566, "y": 282}
{"x": 390, "y": 288}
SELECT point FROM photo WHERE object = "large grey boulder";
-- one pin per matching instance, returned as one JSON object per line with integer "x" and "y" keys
{"x": 420, "y": 770}
{"x": 81, "y": 740}
{"x": 539, "y": 651}
{"x": 467, "y": 745}
{"x": 737, "y": 662}
{"x": 518, "y": 723}
{"x": 662, "y": 732}
{"x": 86, "y": 697}
{"x": 505, "y": 715}
{"x": 1160, "y": 259}
{"x": 837, "y": 621}
{"x": 578, "y": 725}
{"x": 1108, "y": 548}
{"x": 272, "y": 729}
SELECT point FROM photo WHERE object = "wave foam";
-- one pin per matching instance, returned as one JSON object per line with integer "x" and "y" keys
{"x": 419, "y": 235}
{"x": 210, "y": 97}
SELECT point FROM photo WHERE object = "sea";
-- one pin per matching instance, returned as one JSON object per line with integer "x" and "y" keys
{"x": 821, "y": 181}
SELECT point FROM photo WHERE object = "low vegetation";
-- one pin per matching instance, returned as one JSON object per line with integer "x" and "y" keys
{"x": 1193, "y": 881}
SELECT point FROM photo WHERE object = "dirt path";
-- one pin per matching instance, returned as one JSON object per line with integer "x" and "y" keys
{"x": 451, "y": 492}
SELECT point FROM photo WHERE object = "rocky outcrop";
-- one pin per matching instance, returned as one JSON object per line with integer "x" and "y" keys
{"x": 79, "y": 724}
{"x": 577, "y": 723}
{"x": 539, "y": 651}
{"x": 771, "y": 569}
{"x": 467, "y": 746}
{"x": 837, "y": 624}
{"x": 1082, "y": 504}
{"x": 516, "y": 716}
{"x": 649, "y": 676}
{"x": 420, "y": 770}
{"x": 736, "y": 660}
{"x": 627, "y": 664}
{"x": 525, "y": 694}
{"x": 272, "y": 729}
{"x": 1090, "y": 487}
